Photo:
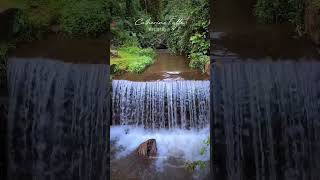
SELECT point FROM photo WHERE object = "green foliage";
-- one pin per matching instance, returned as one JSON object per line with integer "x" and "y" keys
{"x": 278, "y": 11}
{"x": 192, "y": 166}
{"x": 152, "y": 7}
{"x": 179, "y": 37}
{"x": 76, "y": 18}
{"x": 133, "y": 59}
{"x": 195, "y": 15}
{"x": 35, "y": 17}
{"x": 199, "y": 51}
{"x": 315, "y": 4}
{"x": 12, "y": 4}
{"x": 191, "y": 37}
{"x": 123, "y": 24}
{"x": 140, "y": 65}
{"x": 84, "y": 18}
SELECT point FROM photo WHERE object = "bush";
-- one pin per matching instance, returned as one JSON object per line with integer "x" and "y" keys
{"x": 148, "y": 52}
{"x": 315, "y": 4}
{"x": 133, "y": 59}
{"x": 84, "y": 18}
{"x": 199, "y": 51}
{"x": 279, "y": 11}
{"x": 140, "y": 65}
{"x": 29, "y": 25}
{"x": 190, "y": 38}
{"x": 199, "y": 61}
{"x": 35, "y": 17}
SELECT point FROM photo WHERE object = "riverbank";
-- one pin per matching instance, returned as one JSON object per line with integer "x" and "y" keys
{"x": 131, "y": 59}
{"x": 167, "y": 66}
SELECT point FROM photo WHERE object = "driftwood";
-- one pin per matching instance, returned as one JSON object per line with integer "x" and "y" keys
{"x": 147, "y": 149}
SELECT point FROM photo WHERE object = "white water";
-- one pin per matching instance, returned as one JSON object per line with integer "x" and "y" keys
{"x": 179, "y": 143}
{"x": 161, "y": 104}
{"x": 57, "y": 120}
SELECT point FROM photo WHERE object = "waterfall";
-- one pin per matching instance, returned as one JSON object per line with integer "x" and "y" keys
{"x": 266, "y": 121}
{"x": 161, "y": 104}
{"x": 57, "y": 120}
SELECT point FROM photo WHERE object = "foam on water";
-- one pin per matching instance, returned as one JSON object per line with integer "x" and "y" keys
{"x": 179, "y": 143}
{"x": 161, "y": 104}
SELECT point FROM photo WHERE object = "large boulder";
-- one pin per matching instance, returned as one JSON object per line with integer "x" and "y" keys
{"x": 147, "y": 149}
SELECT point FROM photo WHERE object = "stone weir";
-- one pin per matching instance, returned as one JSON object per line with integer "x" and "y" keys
{"x": 161, "y": 104}
{"x": 57, "y": 120}
{"x": 266, "y": 120}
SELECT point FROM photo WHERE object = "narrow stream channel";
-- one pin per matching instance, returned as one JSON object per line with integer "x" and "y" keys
{"x": 167, "y": 66}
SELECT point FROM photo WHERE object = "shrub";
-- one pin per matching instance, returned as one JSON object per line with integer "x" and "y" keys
{"x": 29, "y": 24}
{"x": 84, "y": 18}
{"x": 34, "y": 18}
{"x": 140, "y": 65}
{"x": 148, "y": 52}
{"x": 278, "y": 11}
{"x": 133, "y": 59}
{"x": 191, "y": 37}
{"x": 199, "y": 51}
{"x": 315, "y": 4}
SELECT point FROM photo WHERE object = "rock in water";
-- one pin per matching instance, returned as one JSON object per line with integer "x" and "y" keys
{"x": 147, "y": 149}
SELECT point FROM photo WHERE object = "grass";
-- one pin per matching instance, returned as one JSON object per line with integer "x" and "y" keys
{"x": 133, "y": 59}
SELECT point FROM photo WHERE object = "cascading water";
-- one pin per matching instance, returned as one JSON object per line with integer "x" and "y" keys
{"x": 174, "y": 113}
{"x": 161, "y": 104}
{"x": 266, "y": 120}
{"x": 58, "y": 120}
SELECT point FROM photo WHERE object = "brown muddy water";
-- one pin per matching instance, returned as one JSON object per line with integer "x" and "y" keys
{"x": 166, "y": 67}
{"x": 132, "y": 167}
{"x": 237, "y": 34}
